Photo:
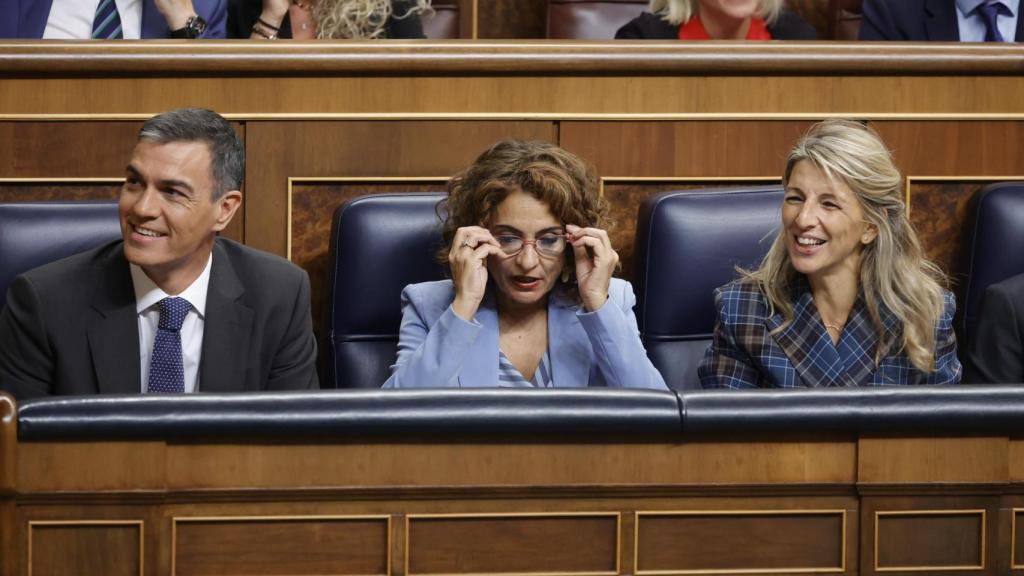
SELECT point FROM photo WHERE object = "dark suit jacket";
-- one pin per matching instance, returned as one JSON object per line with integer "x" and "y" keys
{"x": 647, "y": 26}
{"x": 27, "y": 18}
{"x": 242, "y": 14}
{"x": 70, "y": 327}
{"x": 914, "y": 20}
{"x": 996, "y": 354}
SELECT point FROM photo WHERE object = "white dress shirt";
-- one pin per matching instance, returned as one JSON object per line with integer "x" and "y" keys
{"x": 972, "y": 24}
{"x": 72, "y": 19}
{"x": 147, "y": 298}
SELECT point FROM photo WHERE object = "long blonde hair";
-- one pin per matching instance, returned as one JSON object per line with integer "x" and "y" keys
{"x": 340, "y": 19}
{"x": 894, "y": 273}
{"x": 678, "y": 12}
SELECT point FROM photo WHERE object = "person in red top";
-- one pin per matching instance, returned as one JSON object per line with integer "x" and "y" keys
{"x": 717, "y": 20}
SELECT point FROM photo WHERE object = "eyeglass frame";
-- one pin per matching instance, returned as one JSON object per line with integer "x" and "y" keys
{"x": 540, "y": 252}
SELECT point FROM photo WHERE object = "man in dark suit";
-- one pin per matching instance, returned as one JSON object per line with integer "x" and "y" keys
{"x": 83, "y": 19}
{"x": 941, "y": 20}
{"x": 170, "y": 307}
{"x": 996, "y": 355}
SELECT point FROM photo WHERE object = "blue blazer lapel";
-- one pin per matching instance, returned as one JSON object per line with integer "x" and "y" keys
{"x": 571, "y": 353}
{"x": 940, "y": 22}
{"x": 808, "y": 345}
{"x": 480, "y": 368}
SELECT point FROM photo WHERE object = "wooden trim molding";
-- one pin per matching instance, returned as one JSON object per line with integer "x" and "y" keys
{"x": 156, "y": 58}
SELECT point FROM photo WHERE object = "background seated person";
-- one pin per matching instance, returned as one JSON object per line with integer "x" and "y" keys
{"x": 997, "y": 348}
{"x": 717, "y": 20}
{"x": 107, "y": 19}
{"x": 171, "y": 307}
{"x": 942, "y": 20}
{"x": 337, "y": 19}
{"x": 532, "y": 301}
{"x": 844, "y": 296}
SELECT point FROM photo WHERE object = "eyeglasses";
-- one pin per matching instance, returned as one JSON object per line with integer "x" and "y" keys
{"x": 550, "y": 244}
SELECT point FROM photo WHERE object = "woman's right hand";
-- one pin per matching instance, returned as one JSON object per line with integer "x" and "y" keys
{"x": 467, "y": 259}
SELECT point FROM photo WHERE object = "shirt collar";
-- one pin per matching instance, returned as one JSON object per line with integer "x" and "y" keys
{"x": 147, "y": 293}
{"x": 966, "y": 7}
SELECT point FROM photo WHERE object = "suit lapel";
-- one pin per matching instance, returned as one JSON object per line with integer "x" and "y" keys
{"x": 480, "y": 368}
{"x": 808, "y": 345}
{"x": 940, "y": 21}
{"x": 227, "y": 329}
{"x": 567, "y": 341}
{"x": 1020, "y": 24}
{"x": 114, "y": 332}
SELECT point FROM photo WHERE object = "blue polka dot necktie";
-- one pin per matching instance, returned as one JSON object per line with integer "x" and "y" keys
{"x": 106, "y": 25}
{"x": 988, "y": 12}
{"x": 166, "y": 371}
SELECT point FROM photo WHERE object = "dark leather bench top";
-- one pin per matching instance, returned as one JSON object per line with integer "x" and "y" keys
{"x": 527, "y": 414}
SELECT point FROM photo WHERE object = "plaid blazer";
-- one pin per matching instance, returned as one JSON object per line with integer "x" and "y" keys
{"x": 744, "y": 353}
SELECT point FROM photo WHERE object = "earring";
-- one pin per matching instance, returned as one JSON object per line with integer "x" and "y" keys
{"x": 565, "y": 276}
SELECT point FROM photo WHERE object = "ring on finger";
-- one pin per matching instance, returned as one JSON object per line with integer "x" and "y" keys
{"x": 466, "y": 244}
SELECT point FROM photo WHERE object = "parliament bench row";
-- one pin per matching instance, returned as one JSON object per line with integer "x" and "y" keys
{"x": 687, "y": 244}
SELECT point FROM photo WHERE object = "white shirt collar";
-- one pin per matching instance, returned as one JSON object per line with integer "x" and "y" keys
{"x": 147, "y": 293}
{"x": 968, "y": 6}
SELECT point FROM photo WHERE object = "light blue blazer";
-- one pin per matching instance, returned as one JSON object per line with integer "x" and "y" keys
{"x": 438, "y": 349}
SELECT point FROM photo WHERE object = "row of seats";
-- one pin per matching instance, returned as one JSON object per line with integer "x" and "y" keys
{"x": 711, "y": 231}
{"x": 599, "y": 19}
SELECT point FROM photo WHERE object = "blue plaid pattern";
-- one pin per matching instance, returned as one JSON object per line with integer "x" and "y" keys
{"x": 745, "y": 354}
{"x": 166, "y": 370}
{"x": 106, "y": 25}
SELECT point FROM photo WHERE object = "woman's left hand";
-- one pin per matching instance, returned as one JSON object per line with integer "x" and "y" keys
{"x": 595, "y": 264}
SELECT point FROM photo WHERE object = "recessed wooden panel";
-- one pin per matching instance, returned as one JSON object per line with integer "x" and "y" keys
{"x": 736, "y": 542}
{"x": 111, "y": 548}
{"x": 13, "y": 190}
{"x": 926, "y": 540}
{"x": 1017, "y": 539}
{"x": 288, "y": 545}
{"x": 625, "y": 196}
{"x": 278, "y": 151}
{"x": 541, "y": 544}
{"x": 512, "y": 18}
{"x": 313, "y": 202}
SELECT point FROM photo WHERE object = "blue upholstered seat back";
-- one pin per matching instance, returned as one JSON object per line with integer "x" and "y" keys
{"x": 993, "y": 248}
{"x": 688, "y": 243}
{"x": 379, "y": 244}
{"x": 37, "y": 233}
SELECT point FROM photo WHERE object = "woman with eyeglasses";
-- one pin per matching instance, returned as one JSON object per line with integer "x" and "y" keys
{"x": 531, "y": 301}
{"x": 845, "y": 295}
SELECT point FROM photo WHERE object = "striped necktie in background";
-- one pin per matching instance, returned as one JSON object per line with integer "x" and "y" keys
{"x": 107, "y": 23}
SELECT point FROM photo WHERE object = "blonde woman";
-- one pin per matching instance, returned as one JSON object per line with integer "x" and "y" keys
{"x": 844, "y": 296}
{"x": 337, "y": 19}
{"x": 716, "y": 20}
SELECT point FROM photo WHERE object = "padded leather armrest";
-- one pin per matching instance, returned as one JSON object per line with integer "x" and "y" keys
{"x": 925, "y": 409}
{"x": 412, "y": 415}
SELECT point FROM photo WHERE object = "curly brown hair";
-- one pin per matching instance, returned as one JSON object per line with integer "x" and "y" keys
{"x": 560, "y": 179}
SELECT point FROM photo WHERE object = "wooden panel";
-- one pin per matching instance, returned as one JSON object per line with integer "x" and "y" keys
{"x": 61, "y": 548}
{"x": 266, "y": 545}
{"x": 313, "y": 203}
{"x": 282, "y": 150}
{"x": 512, "y": 19}
{"x": 577, "y": 544}
{"x": 626, "y": 196}
{"x": 930, "y": 541}
{"x": 965, "y": 148}
{"x": 734, "y": 542}
{"x": 42, "y": 191}
{"x": 1017, "y": 539}
{"x": 905, "y": 460}
{"x": 699, "y": 149}
{"x": 96, "y": 466}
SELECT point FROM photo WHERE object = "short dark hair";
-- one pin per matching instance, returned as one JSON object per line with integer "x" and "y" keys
{"x": 227, "y": 155}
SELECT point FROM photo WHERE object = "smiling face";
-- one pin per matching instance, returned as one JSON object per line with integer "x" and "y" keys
{"x": 526, "y": 278}
{"x": 823, "y": 223}
{"x": 168, "y": 216}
